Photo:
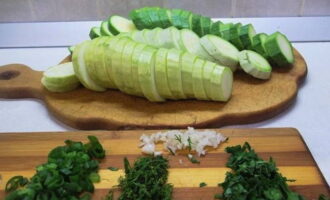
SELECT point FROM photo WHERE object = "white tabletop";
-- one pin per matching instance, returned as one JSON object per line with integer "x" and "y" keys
{"x": 309, "y": 113}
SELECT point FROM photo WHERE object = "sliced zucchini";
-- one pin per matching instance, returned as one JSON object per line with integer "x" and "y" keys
{"x": 135, "y": 73}
{"x": 197, "y": 76}
{"x": 60, "y": 78}
{"x": 187, "y": 65}
{"x": 105, "y": 29}
{"x": 164, "y": 38}
{"x": 138, "y": 36}
{"x": 107, "y": 58}
{"x": 126, "y": 64}
{"x": 221, "y": 83}
{"x": 196, "y": 24}
{"x": 78, "y": 60}
{"x": 141, "y": 18}
{"x": 176, "y": 18}
{"x": 146, "y": 74}
{"x": 118, "y": 24}
{"x": 234, "y": 36}
{"x": 279, "y": 49}
{"x": 174, "y": 73}
{"x": 254, "y": 64}
{"x": 95, "y": 32}
{"x": 207, "y": 72}
{"x": 176, "y": 38}
{"x": 224, "y": 30}
{"x": 258, "y": 44}
{"x": 161, "y": 74}
{"x": 206, "y": 25}
{"x": 224, "y": 52}
{"x": 165, "y": 17}
{"x": 185, "y": 18}
{"x": 154, "y": 17}
{"x": 215, "y": 28}
{"x": 246, "y": 34}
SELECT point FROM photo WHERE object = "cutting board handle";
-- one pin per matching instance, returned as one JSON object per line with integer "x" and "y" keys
{"x": 20, "y": 81}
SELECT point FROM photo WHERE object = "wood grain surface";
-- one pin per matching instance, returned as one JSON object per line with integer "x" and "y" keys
{"x": 252, "y": 100}
{"x": 20, "y": 153}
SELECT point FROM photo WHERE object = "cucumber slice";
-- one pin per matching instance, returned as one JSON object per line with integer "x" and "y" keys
{"x": 78, "y": 60}
{"x": 196, "y": 27}
{"x": 174, "y": 73}
{"x": 161, "y": 74}
{"x": 206, "y": 23}
{"x": 246, "y": 34}
{"x": 225, "y": 53}
{"x": 146, "y": 74}
{"x": 279, "y": 49}
{"x": 258, "y": 44}
{"x": 105, "y": 29}
{"x": 215, "y": 28}
{"x": 95, "y": 32}
{"x": 207, "y": 72}
{"x": 234, "y": 36}
{"x": 141, "y": 19}
{"x": 126, "y": 64}
{"x": 154, "y": 17}
{"x": 224, "y": 30}
{"x": 254, "y": 64}
{"x": 197, "y": 76}
{"x": 185, "y": 20}
{"x": 176, "y": 18}
{"x": 71, "y": 48}
{"x": 187, "y": 63}
{"x": 221, "y": 83}
{"x": 135, "y": 74}
{"x": 165, "y": 17}
{"x": 60, "y": 78}
{"x": 118, "y": 24}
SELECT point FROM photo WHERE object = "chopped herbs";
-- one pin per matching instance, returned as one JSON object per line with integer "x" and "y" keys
{"x": 178, "y": 138}
{"x": 109, "y": 196}
{"x": 113, "y": 168}
{"x": 323, "y": 197}
{"x": 69, "y": 173}
{"x": 202, "y": 184}
{"x": 253, "y": 178}
{"x": 146, "y": 179}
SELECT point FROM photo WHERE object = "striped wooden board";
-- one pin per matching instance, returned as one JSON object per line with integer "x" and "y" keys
{"x": 21, "y": 152}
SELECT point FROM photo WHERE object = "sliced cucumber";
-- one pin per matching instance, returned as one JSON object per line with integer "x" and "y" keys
{"x": 235, "y": 37}
{"x": 221, "y": 83}
{"x": 165, "y": 17}
{"x": 187, "y": 64}
{"x": 207, "y": 72}
{"x": 185, "y": 19}
{"x": 224, "y": 30}
{"x": 246, "y": 34}
{"x": 206, "y": 25}
{"x": 174, "y": 73}
{"x": 254, "y": 64}
{"x": 154, "y": 17}
{"x": 196, "y": 24}
{"x": 258, "y": 44}
{"x": 146, "y": 74}
{"x": 176, "y": 18}
{"x": 279, "y": 49}
{"x": 224, "y": 52}
{"x": 60, "y": 78}
{"x": 215, "y": 28}
{"x": 197, "y": 76}
{"x": 135, "y": 72}
{"x": 141, "y": 18}
{"x": 95, "y": 32}
{"x": 105, "y": 29}
{"x": 161, "y": 74}
{"x": 118, "y": 24}
{"x": 80, "y": 70}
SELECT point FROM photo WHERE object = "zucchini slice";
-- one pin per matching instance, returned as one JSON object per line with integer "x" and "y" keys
{"x": 161, "y": 74}
{"x": 206, "y": 23}
{"x": 254, "y": 64}
{"x": 176, "y": 18}
{"x": 95, "y": 32}
{"x": 118, "y": 24}
{"x": 246, "y": 34}
{"x": 196, "y": 27}
{"x": 126, "y": 64}
{"x": 221, "y": 83}
{"x": 187, "y": 65}
{"x": 279, "y": 49}
{"x": 105, "y": 29}
{"x": 135, "y": 72}
{"x": 224, "y": 30}
{"x": 234, "y": 37}
{"x": 215, "y": 28}
{"x": 207, "y": 72}
{"x": 154, "y": 17}
{"x": 185, "y": 19}
{"x": 258, "y": 45}
{"x": 165, "y": 17}
{"x": 197, "y": 76}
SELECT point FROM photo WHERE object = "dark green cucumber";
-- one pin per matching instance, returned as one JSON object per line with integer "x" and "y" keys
{"x": 246, "y": 34}
{"x": 141, "y": 18}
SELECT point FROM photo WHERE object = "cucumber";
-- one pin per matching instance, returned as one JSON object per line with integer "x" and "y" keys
{"x": 135, "y": 75}
{"x": 105, "y": 29}
{"x": 246, "y": 34}
{"x": 95, "y": 32}
{"x": 185, "y": 20}
{"x": 126, "y": 65}
{"x": 207, "y": 72}
{"x": 174, "y": 73}
{"x": 161, "y": 74}
{"x": 215, "y": 28}
{"x": 221, "y": 83}
{"x": 176, "y": 18}
{"x": 165, "y": 17}
{"x": 235, "y": 37}
{"x": 279, "y": 49}
{"x": 154, "y": 17}
{"x": 146, "y": 74}
{"x": 187, "y": 63}
{"x": 196, "y": 27}
{"x": 78, "y": 60}
{"x": 141, "y": 19}
{"x": 224, "y": 30}
{"x": 206, "y": 25}
{"x": 60, "y": 78}
{"x": 224, "y": 52}
{"x": 254, "y": 64}
{"x": 118, "y": 24}
{"x": 197, "y": 76}
{"x": 71, "y": 48}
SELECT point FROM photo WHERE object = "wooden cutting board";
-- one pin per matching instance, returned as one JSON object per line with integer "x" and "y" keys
{"x": 252, "y": 100}
{"x": 21, "y": 152}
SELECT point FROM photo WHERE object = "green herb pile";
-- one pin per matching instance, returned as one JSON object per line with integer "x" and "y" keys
{"x": 146, "y": 180}
{"x": 68, "y": 174}
{"x": 253, "y": 178}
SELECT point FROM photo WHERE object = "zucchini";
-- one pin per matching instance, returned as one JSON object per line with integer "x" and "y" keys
{"x": 154, "y": 17}
{"x": 118, "y": 24}
{"x": 221, "y": 83}
{"x": 95, "y": 32}
{"x": 258, "y": 45}
{"x": 224, "y": 30}
{"x": 196, "y": 27}
{"x": 105, "y": 29}
{"x": 135, "y": 75}
{"x": 224, "y": 52}
{"x": 187, "y": 63}
{"x": 126, "y": 62}
{"x": 246, "y": 34}
{"x": 234, "y": 36}
{"x": 207, "y": 72}
{"x": 205, "y": 25}
{"x": 60, "y": 78}
{"x": 161, "y": 74}
{"x": 165, "y": 17}
{"x": 197, "y": 75}
{"x": 176, "y": 38}
{"x": 107, "y": 58}
{"x": 279, "y": 49}
{"x": 176, "y": 18}
{"x": 185, "y": 20}
{"x": 254, "y": 64}
{"x": 215, "y": 28}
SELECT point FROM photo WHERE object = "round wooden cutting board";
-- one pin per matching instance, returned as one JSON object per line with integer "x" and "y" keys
{"x": 252, "y": 100}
